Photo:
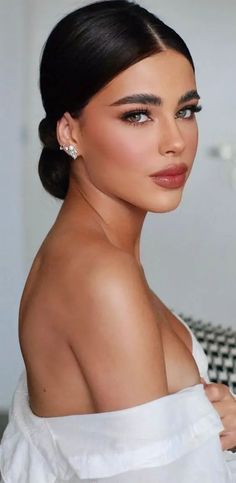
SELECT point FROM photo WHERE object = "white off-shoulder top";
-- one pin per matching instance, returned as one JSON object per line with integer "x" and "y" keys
{"x": 173, "y": 439}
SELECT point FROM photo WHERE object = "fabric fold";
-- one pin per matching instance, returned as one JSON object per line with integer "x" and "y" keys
{"x": 27, "y": 444}
{"x": 155, "y": 441}
{"x": 153, "y": 434}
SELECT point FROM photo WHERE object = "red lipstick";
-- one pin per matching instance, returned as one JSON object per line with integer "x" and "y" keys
{"x": 172, "y": 177}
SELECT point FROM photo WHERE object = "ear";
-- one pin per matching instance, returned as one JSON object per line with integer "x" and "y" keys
{"x": 68, "y": 132}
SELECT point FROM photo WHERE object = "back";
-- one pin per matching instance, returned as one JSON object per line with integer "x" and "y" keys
{"x": 88, "y": 333}
{"x": 115, "y": 337}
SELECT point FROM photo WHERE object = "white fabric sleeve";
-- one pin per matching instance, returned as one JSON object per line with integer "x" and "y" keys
{"x": 171, "y": 439}
{"x": 174, "y": 438}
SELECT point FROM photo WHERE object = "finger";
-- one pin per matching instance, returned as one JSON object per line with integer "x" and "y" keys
{"x": 217, "y": 392}
{"x": 229, "y": 422}
{"x": 228, "y": 441}
{"x": 221, "y": 408}
{"x": 225, "y": 408}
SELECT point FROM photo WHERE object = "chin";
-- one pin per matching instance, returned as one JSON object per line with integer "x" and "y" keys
{"x": 166, "y": 202}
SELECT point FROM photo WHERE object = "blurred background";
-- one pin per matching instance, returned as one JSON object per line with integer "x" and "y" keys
{"x": 190, "y": 254}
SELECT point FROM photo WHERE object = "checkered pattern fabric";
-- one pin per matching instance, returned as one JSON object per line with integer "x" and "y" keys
{"x": 219, "y": 344}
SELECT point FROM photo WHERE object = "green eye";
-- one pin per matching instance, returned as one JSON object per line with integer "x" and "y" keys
{"x": 188, "y": 112}
{"x": 136, "y": 117}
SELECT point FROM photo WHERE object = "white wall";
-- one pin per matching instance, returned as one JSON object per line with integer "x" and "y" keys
{"x": 189, "y": 254}
{"x": 12, "y": 74}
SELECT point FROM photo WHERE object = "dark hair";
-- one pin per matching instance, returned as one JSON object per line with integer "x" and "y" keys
{"x": 85, "y": 51}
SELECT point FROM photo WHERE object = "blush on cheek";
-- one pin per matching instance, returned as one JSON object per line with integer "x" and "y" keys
{"x": 112, "y": 148}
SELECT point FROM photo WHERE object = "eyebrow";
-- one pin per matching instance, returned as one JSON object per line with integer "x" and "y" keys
{"x": 144, "y": 98}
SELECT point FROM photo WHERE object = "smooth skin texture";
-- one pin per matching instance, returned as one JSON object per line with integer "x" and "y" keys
{"x": 93, "y": 334}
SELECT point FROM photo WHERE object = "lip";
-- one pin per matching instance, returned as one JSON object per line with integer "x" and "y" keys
{"x": 174, "y": 170}
{"x": 172, "y": 177}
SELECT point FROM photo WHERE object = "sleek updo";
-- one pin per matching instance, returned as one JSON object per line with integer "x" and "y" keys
{"x": 85, "y": 51}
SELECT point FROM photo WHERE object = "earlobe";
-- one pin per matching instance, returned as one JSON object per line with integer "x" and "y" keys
{"x": 71, "y": 150}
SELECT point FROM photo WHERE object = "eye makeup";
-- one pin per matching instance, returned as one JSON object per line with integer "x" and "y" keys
{"x": 128, "y": 115}
{"x": 192, "y": 108}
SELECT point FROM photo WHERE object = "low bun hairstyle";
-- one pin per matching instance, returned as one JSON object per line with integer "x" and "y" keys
{"x": 86, "y": 50}
{"x": 54, "y": 165}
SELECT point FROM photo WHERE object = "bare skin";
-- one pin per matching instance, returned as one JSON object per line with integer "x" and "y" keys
{"x": 87, "y": 282}
{"x": 49, "y": 336}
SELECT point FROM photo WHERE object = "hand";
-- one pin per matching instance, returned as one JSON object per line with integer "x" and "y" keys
{"x": 225, "y": 404}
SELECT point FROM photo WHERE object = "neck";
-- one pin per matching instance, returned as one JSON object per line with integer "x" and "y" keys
{"x": 120, "y": 221}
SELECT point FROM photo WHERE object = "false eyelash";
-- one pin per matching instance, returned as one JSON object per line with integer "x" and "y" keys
{"x": 135, "y": 111}
{"x": 127, "y": 114}
{"x": 192, "y": 107}
{"x": 198, "y": 108}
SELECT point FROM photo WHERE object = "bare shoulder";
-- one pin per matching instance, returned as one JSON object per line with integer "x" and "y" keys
{"x": 63, "y": 275}
{"x": 87, "y": 268}
{"x": 104, "y": 275}
{"x": 92, "y": 303}
{"x": 115, "y": 335}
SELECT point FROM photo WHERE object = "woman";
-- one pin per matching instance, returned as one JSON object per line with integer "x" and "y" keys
{"x": 112, "y": 389}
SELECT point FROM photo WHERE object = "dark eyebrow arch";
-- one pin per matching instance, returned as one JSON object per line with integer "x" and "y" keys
{"x": 144, "y": 98}
{"x": 139, "y": 99}
{"x": 189, "y": 96}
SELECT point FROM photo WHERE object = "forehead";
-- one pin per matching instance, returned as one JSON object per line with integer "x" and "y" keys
{"x": 167, "y": 74}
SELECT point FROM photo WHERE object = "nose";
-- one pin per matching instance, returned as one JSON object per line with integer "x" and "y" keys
{"x": 171, "y": 141}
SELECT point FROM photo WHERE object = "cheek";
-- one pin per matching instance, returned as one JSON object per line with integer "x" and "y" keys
{"x": 114, "y": 148}
{"x": 190, "y": 136}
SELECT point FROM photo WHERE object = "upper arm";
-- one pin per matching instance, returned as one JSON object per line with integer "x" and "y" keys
{"x": 117, "y": 339}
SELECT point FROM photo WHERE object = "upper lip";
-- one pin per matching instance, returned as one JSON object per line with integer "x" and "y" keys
{"x": 173, "y": 170}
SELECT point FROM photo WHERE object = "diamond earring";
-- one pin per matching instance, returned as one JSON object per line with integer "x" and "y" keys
{"x": 71, "y": 150}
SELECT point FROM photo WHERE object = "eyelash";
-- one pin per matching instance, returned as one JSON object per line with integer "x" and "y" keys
{"x": 126, "y": 115}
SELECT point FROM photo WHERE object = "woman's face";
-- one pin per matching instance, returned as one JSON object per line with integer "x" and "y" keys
{"x": 124, "y": 142}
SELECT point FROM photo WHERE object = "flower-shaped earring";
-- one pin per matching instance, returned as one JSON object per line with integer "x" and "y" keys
{"x": 71, "y": 150}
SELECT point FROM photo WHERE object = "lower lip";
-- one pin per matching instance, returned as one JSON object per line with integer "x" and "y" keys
{"x": 170, "y": 181}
